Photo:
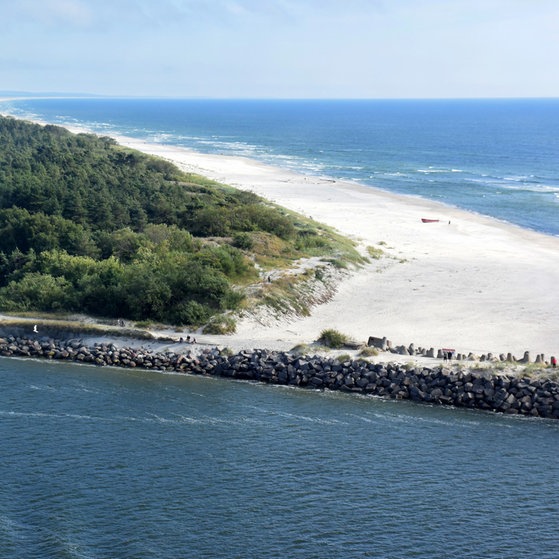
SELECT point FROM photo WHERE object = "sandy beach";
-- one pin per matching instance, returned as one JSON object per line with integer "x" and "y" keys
{"x": 465, "y": 282}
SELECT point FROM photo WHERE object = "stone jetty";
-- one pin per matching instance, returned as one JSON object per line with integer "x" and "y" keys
{"x": 438, "y": 385}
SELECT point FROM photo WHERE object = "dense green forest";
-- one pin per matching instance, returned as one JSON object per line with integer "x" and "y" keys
{"x": 89, "y": 226}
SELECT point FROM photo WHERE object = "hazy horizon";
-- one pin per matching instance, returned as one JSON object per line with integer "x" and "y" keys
{"x": 281, "y": 49}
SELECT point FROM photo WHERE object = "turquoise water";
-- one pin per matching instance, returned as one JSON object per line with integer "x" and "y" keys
{"x": 495, "y": 157}
{"x": 108, "y": 463}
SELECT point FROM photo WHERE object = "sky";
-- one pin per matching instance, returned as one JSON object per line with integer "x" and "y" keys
{"x": 281, "y": 48}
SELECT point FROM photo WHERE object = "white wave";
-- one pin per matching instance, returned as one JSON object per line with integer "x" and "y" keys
{"x": 394, "y": 174}
{"x": 283, "y": 157}
{"x": 523, "y": 187}
{"x": 514, "y": 184}
{"x": 48, "y": 388}
{"x": 319, "y": 420}
{"x": 309, "y": 167}
{"x": 160, "y": 137}
{"x": 518, "y": 178}
{"x": 430, "y": 170}
{"x": 436, "y": 170}
{"x": 43, "y": 415}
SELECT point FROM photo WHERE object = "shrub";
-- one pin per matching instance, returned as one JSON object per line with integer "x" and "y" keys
{"x": 38, "y": 291}
{"x": 220, "y": 325}
{"x": 333, "y": 338}
{"x": 300, "y": 349}
{"x": 243, "y": 241}
{"x": 342, "y": 358}
{"x": 369, "y": 352}
{"x": 191, "y": 313}
{"x": 375, "y": 253}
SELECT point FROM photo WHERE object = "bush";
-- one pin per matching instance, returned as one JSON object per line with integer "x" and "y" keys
{"x": 375, "y": 253}
{"x": 333, "y": 338}
{"x": 342, "y": 358}
{"x": 369, "y": 352}
{"x": 191, "y": 313}
{"x": 42, "y": 292}
{"x": 300, "y": 349}
{"x": 243, "y": 241}
{"x": 221, "y": 325}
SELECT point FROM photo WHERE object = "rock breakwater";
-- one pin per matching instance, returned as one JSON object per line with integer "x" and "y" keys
{"x": 492, "y": 392}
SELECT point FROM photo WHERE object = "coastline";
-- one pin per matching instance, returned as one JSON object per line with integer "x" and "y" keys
{"x": 467, "y": 281}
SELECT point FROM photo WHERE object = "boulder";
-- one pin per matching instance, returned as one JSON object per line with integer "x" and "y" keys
{"x": 380, "y": 343}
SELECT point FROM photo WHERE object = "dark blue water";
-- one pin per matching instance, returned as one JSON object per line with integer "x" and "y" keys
{"x": 106, "y": 463}
{"x": 495, "y": 157}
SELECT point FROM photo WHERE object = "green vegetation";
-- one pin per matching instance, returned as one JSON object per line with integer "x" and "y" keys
{"x": 369, "y": 352}
{"x": 343, "y": 358}
{"x": 375, "y": 253}
{"x": 89, "y": 226}
{"x": 333, "y": 339}
{"x": 300, "y": 349}
{"x": 220, "y": 325}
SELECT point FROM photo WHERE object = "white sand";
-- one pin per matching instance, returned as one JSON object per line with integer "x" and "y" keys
{"x": 467, "y": 282}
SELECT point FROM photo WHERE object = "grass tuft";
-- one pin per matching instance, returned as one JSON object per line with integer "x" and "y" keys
{"x": 375, "y": 253}
{"x": 333, "y": 339}
{"x": 221, "y": 325}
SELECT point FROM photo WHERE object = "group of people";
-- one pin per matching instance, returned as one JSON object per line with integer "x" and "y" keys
{"x": 447, "y": 354}
{"x": 188, "y": 340}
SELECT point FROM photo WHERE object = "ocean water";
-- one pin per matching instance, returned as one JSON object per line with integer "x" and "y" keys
{"x": 495, "y": 157}
{"x": 110, "y": 463}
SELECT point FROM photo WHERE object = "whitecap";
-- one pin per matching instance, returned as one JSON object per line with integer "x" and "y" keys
{"x": 431, "y": 170}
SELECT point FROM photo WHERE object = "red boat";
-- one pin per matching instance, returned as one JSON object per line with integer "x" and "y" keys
{"x": 425, "y": 220}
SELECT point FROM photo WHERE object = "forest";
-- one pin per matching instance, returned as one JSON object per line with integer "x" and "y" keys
{"x": 89, "y": 226}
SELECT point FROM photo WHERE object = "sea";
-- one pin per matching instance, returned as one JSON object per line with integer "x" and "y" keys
{"x": 102, "y": 463}
{"x": 115, "y": 463}
{"x": 497, "y": 157}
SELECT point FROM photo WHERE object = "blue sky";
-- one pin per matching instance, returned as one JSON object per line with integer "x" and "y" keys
{"x": 282, "y": 48}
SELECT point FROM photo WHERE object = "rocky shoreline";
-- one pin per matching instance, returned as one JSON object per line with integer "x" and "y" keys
{"x": 468, "y": 389}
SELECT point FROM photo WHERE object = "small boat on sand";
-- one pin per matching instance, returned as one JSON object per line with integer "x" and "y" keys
{"x": 426, "y": 220}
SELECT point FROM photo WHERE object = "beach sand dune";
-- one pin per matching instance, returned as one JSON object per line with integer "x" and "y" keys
{"x": 466, "y": 281}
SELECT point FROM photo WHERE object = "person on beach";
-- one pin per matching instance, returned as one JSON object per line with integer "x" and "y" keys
{"x": 553, "y": 362}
